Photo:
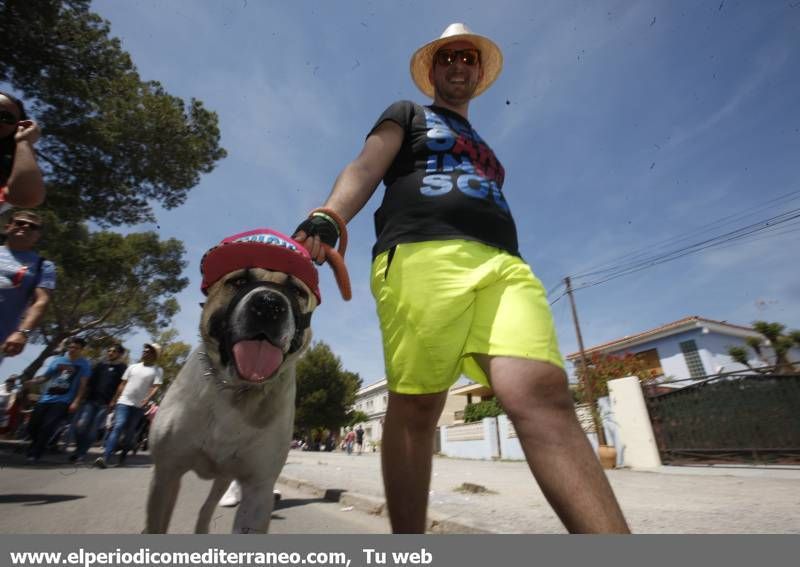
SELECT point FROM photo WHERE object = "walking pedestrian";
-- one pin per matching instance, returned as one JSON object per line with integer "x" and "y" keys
{"x": 349, "y": 440}
{"x": 66, "y": 378}
{"x": 360, "y": 439}
{"x": 453, "y": 293}
{"x": 26, "y": 282}
{"x": 100, "y": 392}
{"x": 140, "y": 382}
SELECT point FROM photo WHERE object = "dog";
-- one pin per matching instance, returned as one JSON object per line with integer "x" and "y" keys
{"x": 229, "y": 415}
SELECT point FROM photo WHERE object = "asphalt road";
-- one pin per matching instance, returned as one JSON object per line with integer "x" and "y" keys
{"x": 57, "y": 497}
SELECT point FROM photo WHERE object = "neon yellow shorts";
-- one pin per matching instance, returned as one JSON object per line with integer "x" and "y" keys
{"x": 440, "y": 302}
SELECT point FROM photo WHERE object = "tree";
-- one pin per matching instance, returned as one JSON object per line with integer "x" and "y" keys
{"x": 325, "y": 391}
{"x": 355, "y": 417}
{"x": 593, "y": 378}
{"x": 173, "y": 356}
{"x": 602, "y": 367}
{"x": 107, "y": 285}
{"x": 777, "y": 340}
{"x": 111, "y": 142}
{"x": 480, "y": 410}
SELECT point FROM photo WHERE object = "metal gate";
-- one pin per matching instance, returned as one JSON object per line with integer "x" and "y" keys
{"x": 734, "y": 418}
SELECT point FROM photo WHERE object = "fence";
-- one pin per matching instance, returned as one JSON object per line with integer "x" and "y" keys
{"x": 740, "y": 418}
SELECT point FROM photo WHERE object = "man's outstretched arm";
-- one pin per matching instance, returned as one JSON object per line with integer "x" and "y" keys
{"x": 358, "y": 180}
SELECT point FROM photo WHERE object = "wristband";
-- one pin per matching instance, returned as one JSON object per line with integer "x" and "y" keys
{"x": 26, "y": 332}
{"x": 329, "y": 219}
{"x": 320, "y": 225}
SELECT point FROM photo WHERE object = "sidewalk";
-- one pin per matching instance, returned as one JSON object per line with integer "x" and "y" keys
{"x": 670, "y": 500}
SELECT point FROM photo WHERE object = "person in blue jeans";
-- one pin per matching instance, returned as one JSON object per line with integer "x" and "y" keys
{"x": 100, "y": 392}
{"x": 140, "y": 382}
{"x": 66, "y": 382}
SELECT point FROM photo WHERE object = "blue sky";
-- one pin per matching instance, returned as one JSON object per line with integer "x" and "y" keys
{"x": 620, "y": 124}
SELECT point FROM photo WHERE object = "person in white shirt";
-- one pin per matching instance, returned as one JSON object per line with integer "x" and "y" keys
{"x": 139, "y": 384}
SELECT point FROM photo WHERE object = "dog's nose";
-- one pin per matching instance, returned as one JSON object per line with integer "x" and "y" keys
{"x": 268, "y": 305}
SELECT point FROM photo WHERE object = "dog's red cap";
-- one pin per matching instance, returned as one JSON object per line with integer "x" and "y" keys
{"x": 259, "y": 248}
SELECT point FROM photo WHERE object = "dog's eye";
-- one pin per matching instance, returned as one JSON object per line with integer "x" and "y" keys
{"x": 238, "y": 282}
{"x": 299, "y": 292}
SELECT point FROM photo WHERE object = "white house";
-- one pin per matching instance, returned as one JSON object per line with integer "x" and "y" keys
{"x": 692, "y": 347}
{"x": 374, "y": 398}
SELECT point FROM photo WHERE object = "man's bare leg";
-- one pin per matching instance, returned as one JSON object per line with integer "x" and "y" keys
{"x": 537, "y": 400}
{"x": 407, "y": 455}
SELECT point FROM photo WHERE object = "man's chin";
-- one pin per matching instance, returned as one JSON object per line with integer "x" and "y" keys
{"x": 455, "y": 99}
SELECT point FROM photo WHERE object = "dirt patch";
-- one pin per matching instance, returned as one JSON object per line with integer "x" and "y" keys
{"x": 471, "y": 488}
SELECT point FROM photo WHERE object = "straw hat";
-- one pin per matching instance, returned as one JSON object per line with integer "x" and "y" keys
{"x": 156, "y": 348}
{"x": 491, "y": 58}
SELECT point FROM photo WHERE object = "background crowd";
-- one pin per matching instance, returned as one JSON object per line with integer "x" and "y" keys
{"x": 72, "y": 402}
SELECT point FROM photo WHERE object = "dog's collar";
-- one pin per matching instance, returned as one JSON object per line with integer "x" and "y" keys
{"x": 211, "y": 372}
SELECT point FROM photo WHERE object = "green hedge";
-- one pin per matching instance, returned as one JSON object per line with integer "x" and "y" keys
{"x": 488, "y": 408}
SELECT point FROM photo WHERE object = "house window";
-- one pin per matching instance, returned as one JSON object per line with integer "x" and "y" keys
{"x": 652, "y": 361}
{"x": 693, "y": 360}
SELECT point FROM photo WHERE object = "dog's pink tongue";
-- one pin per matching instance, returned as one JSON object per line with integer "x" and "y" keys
{"x": 256, "y": 360}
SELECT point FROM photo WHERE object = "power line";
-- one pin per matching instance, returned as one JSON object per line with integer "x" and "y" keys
{"x": 731, "y": 237}
{"x": 555, "y": 287}
{"x": 656, "y": 259}
{"x": 559, "y": 297}
{"x": 632, "y": 256}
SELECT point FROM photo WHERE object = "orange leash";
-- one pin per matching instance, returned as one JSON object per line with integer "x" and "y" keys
{"x": 336, "y": 257}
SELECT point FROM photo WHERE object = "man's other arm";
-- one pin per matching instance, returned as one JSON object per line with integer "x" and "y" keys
{"x": 359, "y": 179}
{"x": 30, "y": 319}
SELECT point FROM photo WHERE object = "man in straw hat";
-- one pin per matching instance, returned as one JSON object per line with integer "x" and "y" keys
{"x": 453, "y": 294}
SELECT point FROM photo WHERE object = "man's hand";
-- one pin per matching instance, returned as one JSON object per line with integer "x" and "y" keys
{"x": 15, "y": 343}
{"x": 27, "y": 131}
{"x": 313, "y": 232}
{"x": 73, "y": 407}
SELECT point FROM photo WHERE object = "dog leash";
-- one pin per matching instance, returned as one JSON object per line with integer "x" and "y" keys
{"x": 336, "y": 257}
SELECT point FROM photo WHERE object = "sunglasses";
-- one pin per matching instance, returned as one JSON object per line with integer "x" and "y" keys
{"x": 26, "y": 224}
{"x": 7, "y": 117}
{"x": 468, "y": 57}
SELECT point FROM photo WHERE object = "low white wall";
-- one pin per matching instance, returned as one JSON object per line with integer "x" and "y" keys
{"x": 510, "y": 447}
{"x": 626, "y": 424}
{"x": 636, "y": 443}
{"x": 471, "y": 440}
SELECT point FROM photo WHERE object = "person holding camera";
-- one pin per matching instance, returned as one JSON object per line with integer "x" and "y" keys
{"x": 21, "y": 182}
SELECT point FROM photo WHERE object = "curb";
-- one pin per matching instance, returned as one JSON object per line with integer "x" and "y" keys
{"x": 437, "y": 523}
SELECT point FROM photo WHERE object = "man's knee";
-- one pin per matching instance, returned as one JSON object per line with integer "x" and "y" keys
{"x": 527, "y": 386}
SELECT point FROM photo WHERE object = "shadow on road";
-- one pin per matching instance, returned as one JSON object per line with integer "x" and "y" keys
{"x": 13, "y": 456}
{"x": 294, "y": 502}
{"x": 38, "y": 499}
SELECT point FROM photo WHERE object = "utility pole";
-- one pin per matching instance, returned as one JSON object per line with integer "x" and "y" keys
{"x": 587, "y": 380}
